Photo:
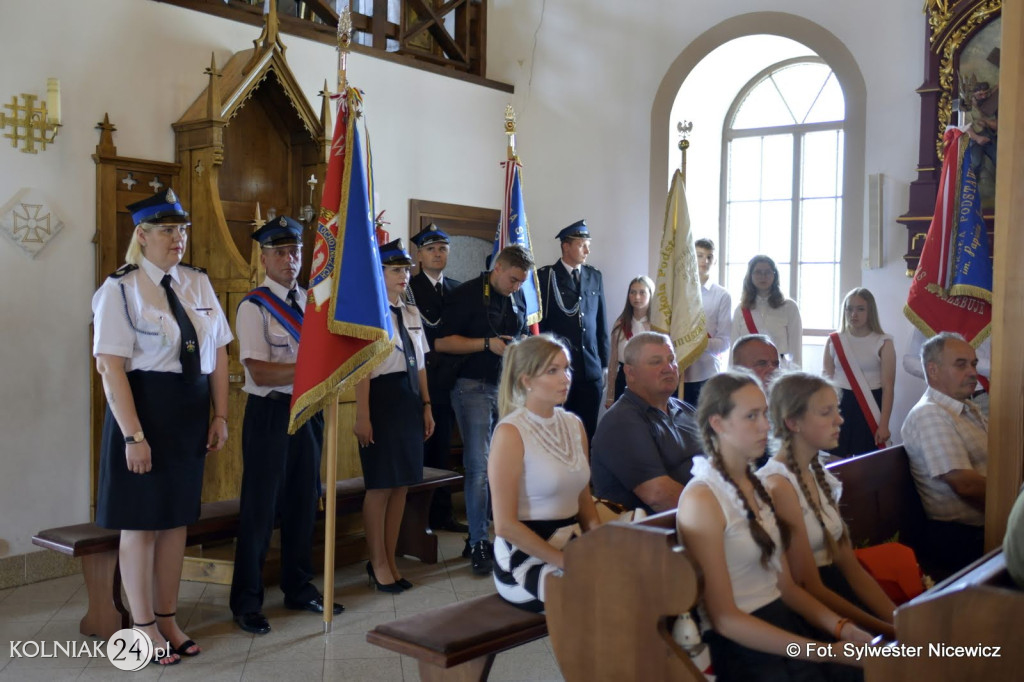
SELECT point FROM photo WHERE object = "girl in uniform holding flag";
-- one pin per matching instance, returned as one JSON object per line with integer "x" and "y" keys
{"x": 861, "y": 359}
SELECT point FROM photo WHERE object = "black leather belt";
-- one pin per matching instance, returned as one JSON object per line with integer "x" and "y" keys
{"x": 280, "y": 396}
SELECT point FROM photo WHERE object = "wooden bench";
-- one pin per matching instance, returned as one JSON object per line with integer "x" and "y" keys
{"x": 460, "y": 641}
{"x": 97, "y": 547}
{"x": 977, "y": 606}
{"x": 880, "y": 499}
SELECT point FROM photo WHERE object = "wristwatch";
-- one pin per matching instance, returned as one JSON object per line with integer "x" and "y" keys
{"x": 136, "y": 437}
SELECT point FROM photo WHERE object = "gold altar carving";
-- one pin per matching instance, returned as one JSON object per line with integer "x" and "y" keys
{"x": 947, "y": 38}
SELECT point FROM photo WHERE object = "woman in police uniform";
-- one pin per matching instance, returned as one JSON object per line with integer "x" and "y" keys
{"x": 160, "y": 345}
{"x": 393, "y": 418}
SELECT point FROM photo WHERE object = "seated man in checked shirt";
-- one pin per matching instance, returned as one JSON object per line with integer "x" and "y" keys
{"x": 946, "y": 439}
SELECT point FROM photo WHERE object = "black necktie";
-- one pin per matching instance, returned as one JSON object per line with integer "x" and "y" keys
{"x": 189, "y": 352}
{"x": 293, "y": 302}
{"x": 576, "y": 278}
{"x": 439, "y": 289}
{"x": 410, "y": 352}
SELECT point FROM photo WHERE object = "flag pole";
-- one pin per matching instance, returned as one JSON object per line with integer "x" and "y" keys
{"x": 510, "y": 131}
{"x": 331, "y": 418}
{"x": 684, "y": 128}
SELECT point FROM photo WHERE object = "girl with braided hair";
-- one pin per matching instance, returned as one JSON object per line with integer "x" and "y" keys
{"x": 752, "y": 611}
{"x": 805, "y": 413}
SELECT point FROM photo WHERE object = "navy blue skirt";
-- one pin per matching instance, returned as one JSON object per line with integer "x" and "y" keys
{"x": 395, "y": 458}
{"x": 855, "y": 436}
{"x": 175, "y": 417}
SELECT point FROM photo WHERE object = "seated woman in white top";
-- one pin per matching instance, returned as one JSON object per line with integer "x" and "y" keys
{"x": 861, "y": 347}
{"x": 635, "y": 318}
{"x": 764, "y": 309}
{"x": 538, "y": 470}
{"x": 805, "y": 412}
{"x": 751, "y": 607}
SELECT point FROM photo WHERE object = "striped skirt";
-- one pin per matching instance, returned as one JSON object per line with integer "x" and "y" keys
{"x": 518, "y": 576}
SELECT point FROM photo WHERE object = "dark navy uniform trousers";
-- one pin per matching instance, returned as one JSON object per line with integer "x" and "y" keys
{"x": 280, "y": 479}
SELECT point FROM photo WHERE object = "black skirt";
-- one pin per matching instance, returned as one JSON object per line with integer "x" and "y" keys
{"x": 395, "y": 458}
{"x": 855, "y": 436}
{"x": 175, "y": 418}
{"x": 732, "y": 661}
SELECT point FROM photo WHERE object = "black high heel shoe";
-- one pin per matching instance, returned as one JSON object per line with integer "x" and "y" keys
{"x": 390, "y": 588}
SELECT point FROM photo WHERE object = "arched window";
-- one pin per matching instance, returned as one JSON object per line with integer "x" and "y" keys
{"x": 782, "y": 184}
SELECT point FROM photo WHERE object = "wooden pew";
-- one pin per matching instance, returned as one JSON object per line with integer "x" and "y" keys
{"x": 880, "y": 498}
{"x": 610, "y": 613}
{"x": 98, "y": 547}
{"x": 977, "y": 606}
{"x": 595, "y": 609}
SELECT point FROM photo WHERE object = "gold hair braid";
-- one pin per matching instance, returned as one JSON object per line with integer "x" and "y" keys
{"x": 811, "y": 500}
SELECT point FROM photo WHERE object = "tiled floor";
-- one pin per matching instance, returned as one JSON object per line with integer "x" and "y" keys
{"x": 295, "y": 649}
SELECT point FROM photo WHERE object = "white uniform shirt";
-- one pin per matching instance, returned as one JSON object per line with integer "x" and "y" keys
{"x": 132, "y": 318}
{"x": 717, "y": 311}
{"x": 413, "y": 325}
{"x": 262, "y": 337}
{"x": 782, "y": 325}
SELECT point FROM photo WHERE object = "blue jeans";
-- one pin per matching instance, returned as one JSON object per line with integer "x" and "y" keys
{"x": 476, "y": 409}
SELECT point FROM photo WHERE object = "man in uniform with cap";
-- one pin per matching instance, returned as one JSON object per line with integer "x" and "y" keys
{"x": 281, "y": 475}
{"x": 429, "y": 288}
{"x": 572, "y": 297}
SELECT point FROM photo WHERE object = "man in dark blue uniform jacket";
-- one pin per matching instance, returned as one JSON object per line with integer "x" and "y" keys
{"x": 429, "y": 288}
{"x": 572, "y": 296}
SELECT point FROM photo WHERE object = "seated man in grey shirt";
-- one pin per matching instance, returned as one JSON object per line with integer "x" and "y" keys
{"x": 644, "y": 445}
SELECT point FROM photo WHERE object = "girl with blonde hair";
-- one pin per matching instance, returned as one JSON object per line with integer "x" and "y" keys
{"x": 538, "y": 470}
{"x": 860, "y": 358}
{"x": 806, "y": 418}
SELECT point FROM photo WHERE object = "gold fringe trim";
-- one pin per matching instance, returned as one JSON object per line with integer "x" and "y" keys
{"x": 972, "y": 291}
{"x": 928, "y": 332}
{"x": 340, "y": 380}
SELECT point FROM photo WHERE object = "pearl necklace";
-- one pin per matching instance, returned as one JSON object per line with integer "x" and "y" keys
{"x": 553, "y": 435}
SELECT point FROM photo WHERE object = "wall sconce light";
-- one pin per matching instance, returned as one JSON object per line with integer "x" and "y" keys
{"x": 307, "y": 211}
{"x": 33, "y": 124}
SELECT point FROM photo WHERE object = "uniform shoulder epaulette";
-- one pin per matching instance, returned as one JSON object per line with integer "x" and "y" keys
{"x": 123, "y": 270}
{"x": 543, "y": 268}
{"x": 589, "y": 267}
{"x": 193, "y": 267}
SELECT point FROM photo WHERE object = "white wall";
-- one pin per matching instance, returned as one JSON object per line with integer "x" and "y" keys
{"x": 585, "y": 73}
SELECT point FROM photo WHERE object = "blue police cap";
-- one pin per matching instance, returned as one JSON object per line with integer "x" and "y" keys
{"x": 576, "y": 230}
{"x": 279, "y": 231}
{"x": 162, "y": 207}
{"x": 431, "y": 234}
{"x": 394, "y": 253}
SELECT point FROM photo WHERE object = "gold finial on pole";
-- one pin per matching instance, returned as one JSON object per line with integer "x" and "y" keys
{"x": 510, "y": 130}
{"x": 684, "y": 128}
{"x": 344, "y": 47}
